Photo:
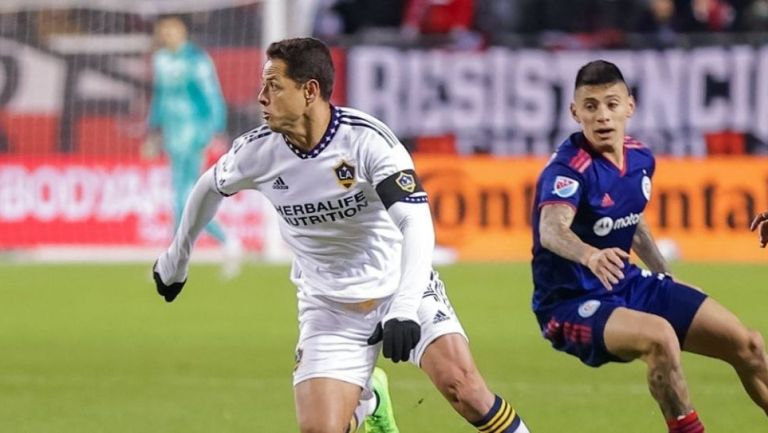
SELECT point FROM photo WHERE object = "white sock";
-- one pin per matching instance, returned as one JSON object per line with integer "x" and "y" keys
{"x": 522, "y": 428}
{"x": 365, "y": 408}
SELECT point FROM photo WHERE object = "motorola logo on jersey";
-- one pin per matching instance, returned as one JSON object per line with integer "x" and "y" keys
{"x": 605, "y": 225}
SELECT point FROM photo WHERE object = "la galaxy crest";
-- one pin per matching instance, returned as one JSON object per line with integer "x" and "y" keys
{"x": 406, "y": 182}
{"x": 345, "y": 174}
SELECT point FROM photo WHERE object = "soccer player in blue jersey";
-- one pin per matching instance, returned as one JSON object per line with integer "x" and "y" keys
{"x": 589, "y": 299}
{"x": 760, "y": 223}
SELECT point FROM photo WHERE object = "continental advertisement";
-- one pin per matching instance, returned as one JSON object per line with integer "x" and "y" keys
{"x": 699, "y": 210}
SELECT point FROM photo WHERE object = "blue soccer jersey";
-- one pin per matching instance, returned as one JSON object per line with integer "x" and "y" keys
{"x": 608, "y": 201}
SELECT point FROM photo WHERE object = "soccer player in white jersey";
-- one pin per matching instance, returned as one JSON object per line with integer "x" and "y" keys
{"x": 357, "y": 220}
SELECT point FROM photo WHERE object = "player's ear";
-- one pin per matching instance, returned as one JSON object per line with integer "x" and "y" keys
{"x": 631, "y": 104}
{"x": 311, "y": 91}
{"x": 573, "y": 113}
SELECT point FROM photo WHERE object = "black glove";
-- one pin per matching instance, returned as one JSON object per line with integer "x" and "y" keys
{"x": 399, "y": 338}
{"x": 167, "y": 292}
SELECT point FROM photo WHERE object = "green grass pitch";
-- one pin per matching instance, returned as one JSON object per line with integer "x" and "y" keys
{"x": 92, "y": 348}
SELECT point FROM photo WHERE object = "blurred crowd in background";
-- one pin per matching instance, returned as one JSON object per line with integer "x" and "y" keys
{"x": 462, "y": 23}
{"x": 233, "y": 32}
{"x": 603, "y": 20}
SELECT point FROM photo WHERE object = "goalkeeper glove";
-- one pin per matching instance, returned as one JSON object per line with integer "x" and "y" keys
{"x": 169, "y": 292}
{"x": 398, "y": 337}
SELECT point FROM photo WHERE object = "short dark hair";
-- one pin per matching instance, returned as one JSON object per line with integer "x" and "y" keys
{"x": 305, "y": 59}
{"x": 599, "y": 72}
{"x": 182, "y": 19}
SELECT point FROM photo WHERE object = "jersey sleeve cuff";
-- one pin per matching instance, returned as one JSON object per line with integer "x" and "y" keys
{"x": 216, "y": 182}
{"x": 551, "y": 202}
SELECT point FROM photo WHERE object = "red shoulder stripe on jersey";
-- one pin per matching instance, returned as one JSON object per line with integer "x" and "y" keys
{"x": 580, "y": 157}
{"x": 552, "y": 202}
{"x": 580, "y": 161}
{"x": 583, "y": 166}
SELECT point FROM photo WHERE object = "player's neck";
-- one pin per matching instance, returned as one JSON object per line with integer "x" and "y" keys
{"x": 311, "y": 127}
{"x": 615, "y": 154}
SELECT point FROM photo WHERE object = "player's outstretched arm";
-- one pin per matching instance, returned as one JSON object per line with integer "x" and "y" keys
{"x": 171, "y": 268}
{"x": 645, "y": 247}
{"x": 400, "y": 330}
{"x": 760, "y": 223}
{"x": 556, "y": 235}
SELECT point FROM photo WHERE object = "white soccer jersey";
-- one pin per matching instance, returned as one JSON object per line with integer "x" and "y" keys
{"x": 345, "y": 245}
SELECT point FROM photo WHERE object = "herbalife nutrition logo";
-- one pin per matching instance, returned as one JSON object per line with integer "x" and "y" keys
{"x": 279, "y": 184}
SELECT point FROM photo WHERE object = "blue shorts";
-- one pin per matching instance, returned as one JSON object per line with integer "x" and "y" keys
{"x": 576, "y": 326}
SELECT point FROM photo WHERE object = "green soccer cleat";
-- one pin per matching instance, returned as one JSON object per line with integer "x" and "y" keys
{"x": 383, "y": 418}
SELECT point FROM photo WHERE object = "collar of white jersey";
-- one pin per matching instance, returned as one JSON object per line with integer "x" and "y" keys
{"x": 330, "y": 132}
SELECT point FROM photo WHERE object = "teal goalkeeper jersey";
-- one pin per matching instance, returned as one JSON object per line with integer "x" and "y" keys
{"x": 186, "y": 93}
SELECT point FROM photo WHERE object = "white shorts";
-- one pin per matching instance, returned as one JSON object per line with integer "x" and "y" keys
{"x": 333, "y": 337}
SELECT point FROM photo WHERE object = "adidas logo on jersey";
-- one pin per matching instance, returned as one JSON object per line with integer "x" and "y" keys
{"x": 607, "y": 201}
{"x": 440, "y": 317}
{"x": 279, "y": 183}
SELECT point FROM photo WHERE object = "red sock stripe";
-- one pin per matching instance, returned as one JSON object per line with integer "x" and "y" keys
{"x": 688, "y": 424}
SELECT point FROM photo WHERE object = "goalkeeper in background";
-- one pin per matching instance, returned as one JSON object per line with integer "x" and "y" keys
{"x": 186, "y": 113}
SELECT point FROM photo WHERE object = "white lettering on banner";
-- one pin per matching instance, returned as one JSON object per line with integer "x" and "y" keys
{"x": 741, "y": 89}
{"x": 706, "y": 64}
{"x": 498, "y": 98}
{"x": 427, "y": 91}
{"x": 13, "y": 196}
{"x": 662, "y": 89}
{"x": 517, "y": 100}
{"x": 470, "y": 104}
{"x": 761, "y": 96}
{"x": 64, "y": 193}
{"x": 377, "y": 78}
{"x": 42, "y": 79}
{"x": 534, "y": 106}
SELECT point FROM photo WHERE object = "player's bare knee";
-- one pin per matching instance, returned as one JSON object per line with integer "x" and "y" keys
{"x": 661, "y": 344}
{"x": 751, "y": 349}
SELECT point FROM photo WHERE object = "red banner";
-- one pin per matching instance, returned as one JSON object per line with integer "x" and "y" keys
{"x": 58, "y": 201}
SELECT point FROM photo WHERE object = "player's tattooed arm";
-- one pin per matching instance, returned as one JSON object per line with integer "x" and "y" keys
{"x": 645, "y": 248}
{"x": 556, "y": 235}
